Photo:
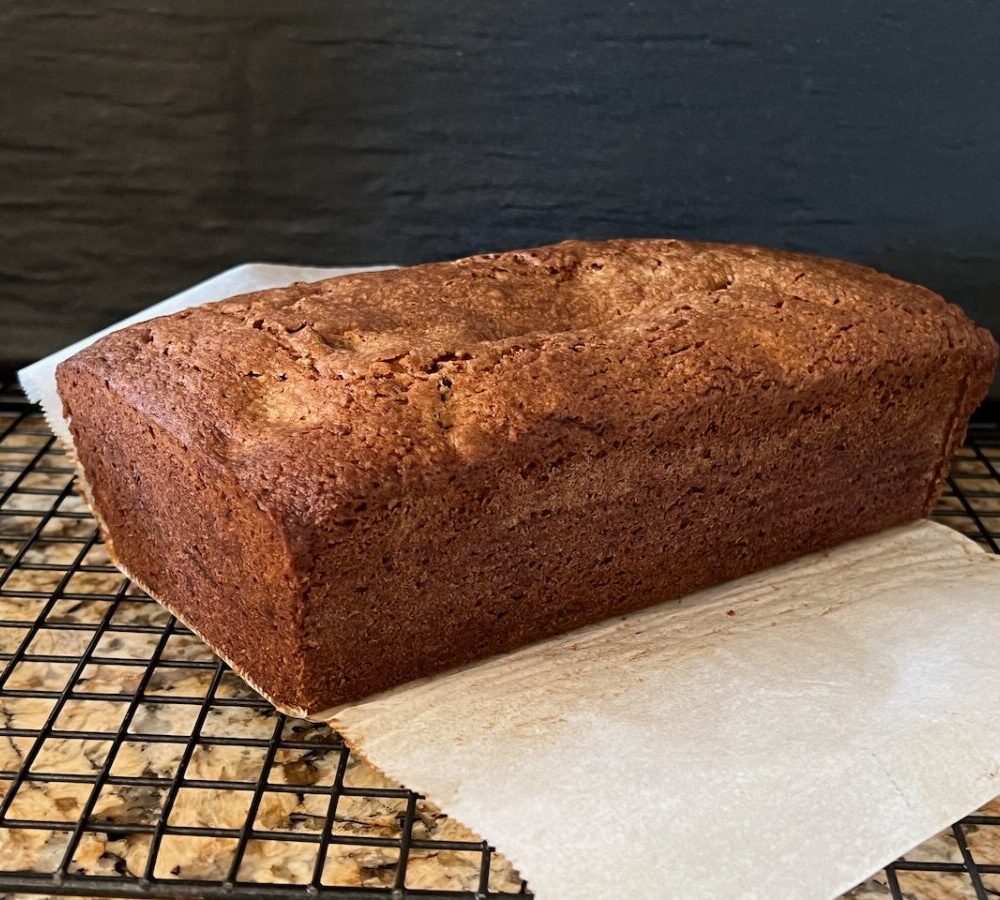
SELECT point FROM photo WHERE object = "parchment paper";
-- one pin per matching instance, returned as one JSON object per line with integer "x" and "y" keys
{"x": 783, "y": 736}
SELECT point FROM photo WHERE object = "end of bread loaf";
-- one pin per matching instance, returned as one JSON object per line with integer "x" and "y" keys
{"x": 179, "y": 524}
{"x": 346, "y": 485}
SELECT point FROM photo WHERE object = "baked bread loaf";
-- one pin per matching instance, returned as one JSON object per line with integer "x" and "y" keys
{"x": 348, "y": 484}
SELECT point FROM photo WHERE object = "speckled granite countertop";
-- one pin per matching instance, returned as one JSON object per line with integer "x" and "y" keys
{"x": 69, "y": 586}
{"x": 186, "y": 857}
{"x": 210, "y": 858}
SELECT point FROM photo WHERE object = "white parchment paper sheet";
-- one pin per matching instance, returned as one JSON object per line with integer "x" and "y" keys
{"x": 782, "y": 736}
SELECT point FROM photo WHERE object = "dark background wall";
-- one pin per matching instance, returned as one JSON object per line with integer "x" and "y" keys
{"x": 145, "y": 146}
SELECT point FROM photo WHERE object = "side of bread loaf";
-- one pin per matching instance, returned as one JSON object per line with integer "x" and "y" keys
{"x": 348, "y": 484}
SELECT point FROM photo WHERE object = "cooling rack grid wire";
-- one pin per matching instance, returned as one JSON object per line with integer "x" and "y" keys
{"x": 133, "y": 763}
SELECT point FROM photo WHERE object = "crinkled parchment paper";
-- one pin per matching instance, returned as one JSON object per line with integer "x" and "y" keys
{"x": 781, "y": 736}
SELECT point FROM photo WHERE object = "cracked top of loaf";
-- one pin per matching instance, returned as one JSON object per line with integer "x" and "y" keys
{"x": 318, "y": 394}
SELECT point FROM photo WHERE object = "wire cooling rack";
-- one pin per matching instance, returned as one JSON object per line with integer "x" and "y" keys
{"x": 133, "y": 763}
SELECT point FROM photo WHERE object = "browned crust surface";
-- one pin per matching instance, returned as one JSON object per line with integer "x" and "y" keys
{"x": 351, "y": 483}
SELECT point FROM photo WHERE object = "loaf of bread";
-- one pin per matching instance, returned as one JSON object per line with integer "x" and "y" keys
{"x": 345, "y": 485}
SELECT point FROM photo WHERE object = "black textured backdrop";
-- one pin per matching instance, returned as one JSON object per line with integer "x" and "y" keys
{"x": 145, "y": 146}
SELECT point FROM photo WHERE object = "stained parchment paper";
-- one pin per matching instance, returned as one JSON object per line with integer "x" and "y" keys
{"x": 781, "y": 736}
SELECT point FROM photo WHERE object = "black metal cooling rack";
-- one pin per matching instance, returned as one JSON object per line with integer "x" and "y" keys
{"x": 48, "y": 541}
{"x": 68, "y": 615}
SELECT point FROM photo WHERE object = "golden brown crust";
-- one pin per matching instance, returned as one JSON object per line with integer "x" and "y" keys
{"x": 515, "y": 398}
